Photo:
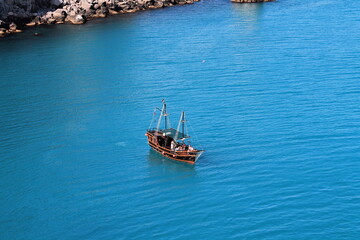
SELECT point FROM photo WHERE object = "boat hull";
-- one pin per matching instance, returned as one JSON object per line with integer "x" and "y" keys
{"x": 183, "y": 156}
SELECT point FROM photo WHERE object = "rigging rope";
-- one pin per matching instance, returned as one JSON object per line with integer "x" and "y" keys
{"x": 152, "y": 120}
{"x": 196, "y": 138}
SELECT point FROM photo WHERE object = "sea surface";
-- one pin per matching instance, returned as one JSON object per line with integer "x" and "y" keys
{"x": 271, "y": 92}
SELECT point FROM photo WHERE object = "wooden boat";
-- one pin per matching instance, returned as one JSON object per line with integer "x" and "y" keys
{"x": 170, "y": 142}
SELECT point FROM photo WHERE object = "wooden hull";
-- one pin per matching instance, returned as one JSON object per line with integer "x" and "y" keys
{"x": 183, "y": 156}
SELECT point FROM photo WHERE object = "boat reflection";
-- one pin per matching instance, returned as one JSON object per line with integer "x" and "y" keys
{"x": 246, "y": 16}
{"x": 248, "y": 11}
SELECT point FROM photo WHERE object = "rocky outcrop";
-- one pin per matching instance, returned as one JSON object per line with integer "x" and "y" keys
{"x": 14, "y": 13}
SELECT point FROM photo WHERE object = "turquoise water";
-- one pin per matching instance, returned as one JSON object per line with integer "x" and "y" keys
{"x": 272, "y": 91}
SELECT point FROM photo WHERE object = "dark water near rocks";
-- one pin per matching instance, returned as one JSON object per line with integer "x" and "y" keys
{"x": 272, "y": 91}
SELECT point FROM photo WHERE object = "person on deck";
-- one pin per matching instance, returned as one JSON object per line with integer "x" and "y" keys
{"x": 173, "y": 145}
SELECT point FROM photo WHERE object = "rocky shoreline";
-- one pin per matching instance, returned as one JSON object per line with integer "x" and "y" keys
{"x": 16, "y": 14}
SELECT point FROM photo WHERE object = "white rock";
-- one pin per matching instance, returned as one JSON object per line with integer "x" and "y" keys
{"x": 56, "y": 2}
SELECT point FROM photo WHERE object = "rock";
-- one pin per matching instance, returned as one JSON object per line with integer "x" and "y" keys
{"x": 30, "y": 24}
{"x": 48, "y": 15}
{"x": 43, "y": 19}
{"x": 2, "y": 24}
{"x": 63, "y": 14}
{"x": 51, "y": 21}
{"x": 59, "y": 14}
{"x": 78, "y": 19}
{"x": 90, "y": 12}
{"x": 86, "y": 5}
{"x": 167, "y": 3}
{"x": 141, "y": 4}
{"x": 82, "y": 11}
{"x": 67, "y": 8}
{"x": 37, "y": 20}
{"x": 112, "y": 12}
{"x": 73, "y": 11}
{"x": 102, "y": 2}
{"x": 104, "y": 10}
{"x": 123, "y": 6}
{"x": 129, "y": 11}
{"x": 12, "y": 27}
{"x": 56, "y": 3}
{"x": 158, "y": 4}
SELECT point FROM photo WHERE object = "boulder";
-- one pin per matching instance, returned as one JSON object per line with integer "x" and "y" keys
{"x": 86, "y": 5}
{"x": 12, "y": 27}
{"x": 37, "y": 20}
{"x": 122, "y": 6}
{"x": 104, "y": 10}
{"x": 51, "y": 21}
{"x": 81, "y": 11}
{"x": 59, "y": 14}
{"x": 73, "y": 11}
{"x": 102, "y": 2}
{"x": 159, "y": 4}
{"x": 167, "y": 3}
{"x": 90, "y": 12}
{"x": 78, "y": 19}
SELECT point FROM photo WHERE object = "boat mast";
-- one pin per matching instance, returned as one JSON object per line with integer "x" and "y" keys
{"x": 161, "y": 114}
{"x": 166, "y": 115}
{"x": 181, "y": 123}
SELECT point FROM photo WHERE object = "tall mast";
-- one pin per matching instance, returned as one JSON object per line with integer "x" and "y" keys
{"x": 182, "y": 124}
{"x": 161, "y": 114}
{"x": 165, "y": 114}
{"x": 178, "y": 128}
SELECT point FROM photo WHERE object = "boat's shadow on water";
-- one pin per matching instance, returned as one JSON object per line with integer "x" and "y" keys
{"x": 157, "y": 160}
